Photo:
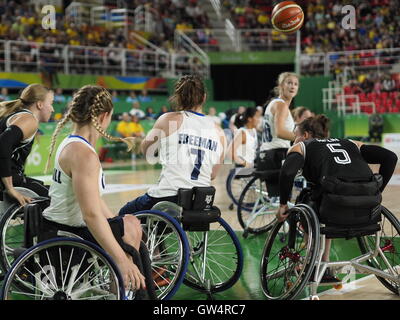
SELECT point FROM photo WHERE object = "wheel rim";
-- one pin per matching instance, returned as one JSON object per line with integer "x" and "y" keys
{"x": 216, "y": 259}
{"x": 235, "y": 186}
{"x": 390, "y": 246}
{"x": 62, "y": 270}
{"x": 12, "y": 236}
{"x": 285, "y": 268}
{"x": 166, "y": 252}
{"x": 255, "y": 212}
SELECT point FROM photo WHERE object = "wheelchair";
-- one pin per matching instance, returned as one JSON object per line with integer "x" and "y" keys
{"x": 237, "y": 179}
{"x": 346, "y": 209}
{"x": 11, "y": 225}
{"x": 190, "y": 243}
{"x": 259, "y": 201}
{"x": 64, "y": 267}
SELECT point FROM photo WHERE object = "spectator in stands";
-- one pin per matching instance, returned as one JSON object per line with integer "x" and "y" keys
{"x": 115, "y": 96}
{"x": 163, "y": 110}
{"x": 132, "y": 97}
{"x": 212, "y": 114}
{"x": 388, "y": 84}
{"x": 136, "y": 111}
{"x": 4, "y": 95}
{"x": 138, "y": 133}
{"x": 143, "y": 97}
{"x": 125, "y": 128}
{"x": 150, "y": 115}
{"x": 59, "y": 97}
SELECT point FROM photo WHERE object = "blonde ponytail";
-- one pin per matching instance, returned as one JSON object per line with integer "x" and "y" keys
{"x": 31, "y": 94}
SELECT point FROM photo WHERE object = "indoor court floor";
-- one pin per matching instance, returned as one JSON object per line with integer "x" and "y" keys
{"x": 126, "y": 181}
{"x": 139, "y": 177}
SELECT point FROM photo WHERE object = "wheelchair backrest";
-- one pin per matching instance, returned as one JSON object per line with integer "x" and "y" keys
{"x": 33, "y": 220}
{"x": 198, "y": 210}
{"x": 350, "y": 202}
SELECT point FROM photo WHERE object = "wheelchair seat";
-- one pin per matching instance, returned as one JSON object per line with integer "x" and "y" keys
{"x": 346, "y": 208}
{"x": 198, "y": 210}
{"x": 36, "y": 230}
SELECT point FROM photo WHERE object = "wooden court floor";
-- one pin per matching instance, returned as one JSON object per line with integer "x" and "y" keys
{"x": 139, "y": 177}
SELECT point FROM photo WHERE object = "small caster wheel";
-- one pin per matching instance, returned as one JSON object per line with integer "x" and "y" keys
{"x": 314, "y": 298}
{"x": 231, "y": 206}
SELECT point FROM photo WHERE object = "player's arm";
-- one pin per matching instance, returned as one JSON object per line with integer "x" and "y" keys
{"x": 21, "y": 128}
{"x": 85, "y": 183}
{"x": 238, "y": 140}
{"x": 163, "y": 127}
{"x": 293, "y": 163}
{"x": 281, "y": 113}
{"x": 222, "y": 140}
{"x": 373, "y": 154}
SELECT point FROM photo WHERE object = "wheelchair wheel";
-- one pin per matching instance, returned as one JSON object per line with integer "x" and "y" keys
{"x": 286, "y": 265}
{"x": 390, "y": 247}
{"x": 235, "y": 185}
{"x": 216, "y": 258}
{"x": 255, "y": 212}
{"x": 63, "y": 269}
{"x": 12, "y": 235}
{"x": 168, "y": 249}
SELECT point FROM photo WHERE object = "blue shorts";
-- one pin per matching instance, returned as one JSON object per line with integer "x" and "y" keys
{"x": 144, "y": 202}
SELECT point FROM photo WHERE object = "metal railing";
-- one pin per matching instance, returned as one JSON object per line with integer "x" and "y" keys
{"x": 20, "y": 56}
{"x": 359, "y": 60}
{"x": 265, "y": 39}
{"x": 240, "y": 39}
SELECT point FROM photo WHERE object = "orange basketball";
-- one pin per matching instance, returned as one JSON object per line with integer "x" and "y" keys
{"x": 287, "y": 16}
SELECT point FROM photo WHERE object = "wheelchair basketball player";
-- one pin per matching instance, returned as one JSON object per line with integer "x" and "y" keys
{"x": 191, "y": 147}
{"x": 330, "y": 160}
{"x": 19, "y": 123}
{"x": 76, "y": 205}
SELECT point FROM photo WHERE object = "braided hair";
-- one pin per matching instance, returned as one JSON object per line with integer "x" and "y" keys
{"x": 87, "y": 104}
{"x": 189, "y": 92}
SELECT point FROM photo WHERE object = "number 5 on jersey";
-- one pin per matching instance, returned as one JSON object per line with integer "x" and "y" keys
{"x": 333, "y": 148}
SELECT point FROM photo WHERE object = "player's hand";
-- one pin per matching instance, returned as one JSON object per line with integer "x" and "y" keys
{"x": 133, "y": 279}
{"x": 282, "y": 213}
{"x": 23, "y": 200}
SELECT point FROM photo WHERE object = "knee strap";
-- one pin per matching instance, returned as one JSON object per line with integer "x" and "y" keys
{"x": 146, "y": 262}
{"x": 137, "y": 259}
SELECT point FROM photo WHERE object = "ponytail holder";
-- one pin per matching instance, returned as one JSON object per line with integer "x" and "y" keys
{"x": 23, "y": 101}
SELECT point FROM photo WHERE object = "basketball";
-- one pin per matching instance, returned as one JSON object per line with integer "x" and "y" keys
{"x": 287, "y": 16}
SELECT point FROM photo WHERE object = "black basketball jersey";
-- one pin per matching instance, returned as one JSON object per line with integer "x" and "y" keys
{"x": 21, "y": 151}
{"x": 333, "y": 157}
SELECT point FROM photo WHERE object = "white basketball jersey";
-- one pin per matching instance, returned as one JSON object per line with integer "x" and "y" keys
{"x": 64, "y": 207}
{"x": 248, "y": 151}
{"x": 188, "y": 155}
{"x": 270, "y": 139}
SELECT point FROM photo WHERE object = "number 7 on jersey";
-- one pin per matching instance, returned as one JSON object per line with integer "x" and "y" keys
{"x": 198, "y": 162}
